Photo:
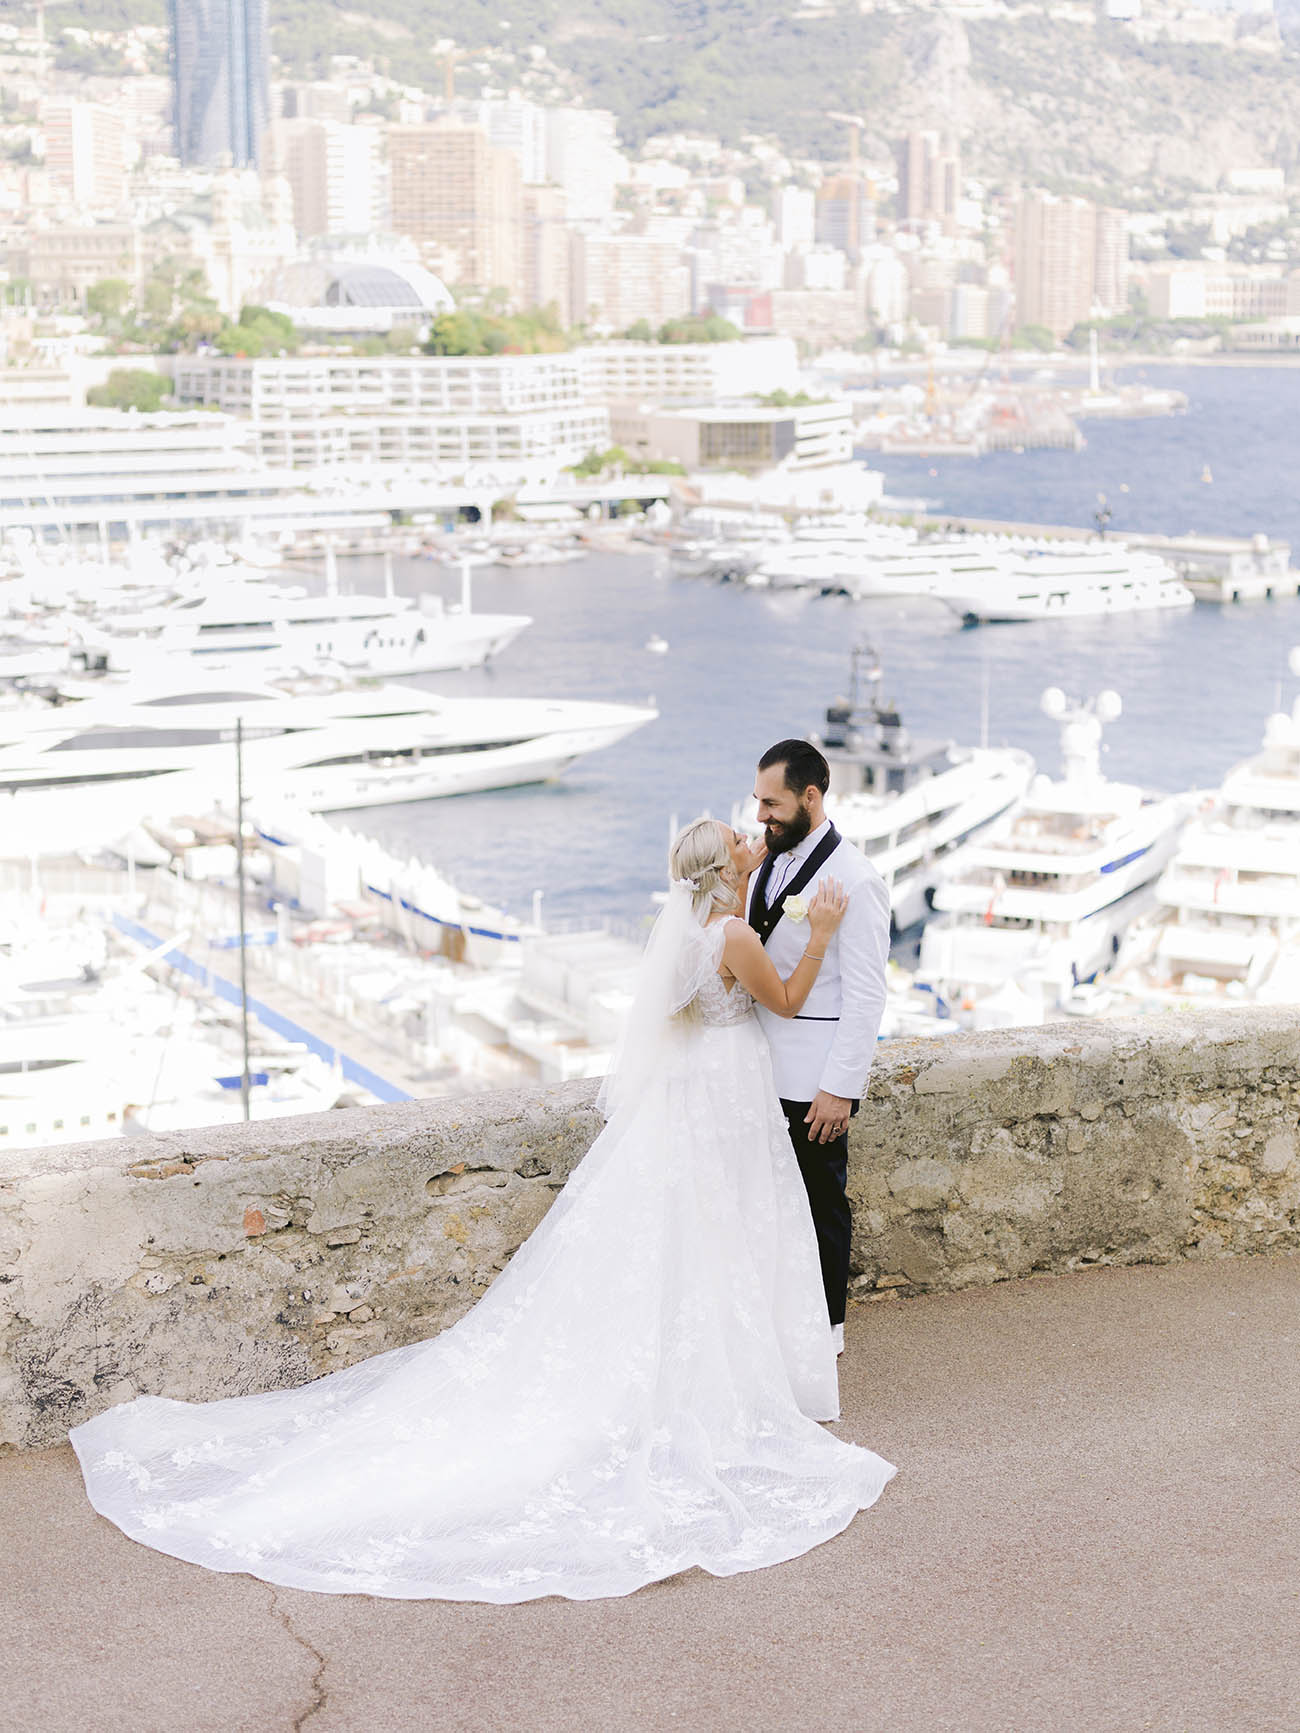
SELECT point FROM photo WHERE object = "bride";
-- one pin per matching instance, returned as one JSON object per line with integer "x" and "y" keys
{"x": 636, "y": 1394}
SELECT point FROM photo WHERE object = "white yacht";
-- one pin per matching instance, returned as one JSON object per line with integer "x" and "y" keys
{"x": 1042, "y": 902}
{"x": 81, "y": 773}
{"x": 255, "y": 625}
{"x": 909, "y": 804}
{"x": 1229, "y": 922}
{"x": 1079, "y": 581}
{"x": 830, "y": 557}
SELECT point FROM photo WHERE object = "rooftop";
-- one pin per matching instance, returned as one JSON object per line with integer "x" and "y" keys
{"x": 1094, "y": 1524}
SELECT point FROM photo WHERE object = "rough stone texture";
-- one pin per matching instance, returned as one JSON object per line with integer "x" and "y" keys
{"x": 211, "y": 1263}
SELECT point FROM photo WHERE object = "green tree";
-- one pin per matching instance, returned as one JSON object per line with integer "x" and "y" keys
{"x": 471, "y": 331}
{"x": 640, "y": 331}
{"x": 108, "y": 299}
{"x": 1034, "y": 337}
{"x": 130, "y": 388}
{"x": 698, "y": 328}
{"x": 259, "y": 331}
{"x": 597, "y": 462}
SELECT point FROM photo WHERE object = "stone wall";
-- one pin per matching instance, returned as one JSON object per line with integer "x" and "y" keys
{"x": 211, "y": 1263}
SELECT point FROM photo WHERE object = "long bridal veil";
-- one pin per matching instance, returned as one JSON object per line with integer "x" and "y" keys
{"x": 636, "y": 1394}
{"x": 678, "y": 960}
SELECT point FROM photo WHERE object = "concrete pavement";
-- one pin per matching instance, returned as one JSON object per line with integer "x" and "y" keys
{"x": 1095, "y": 1525}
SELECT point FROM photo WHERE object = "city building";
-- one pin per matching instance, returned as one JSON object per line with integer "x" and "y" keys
{"x": 794, "y": 216}
{"x": 620, "y": 279}
{"x": 73, "y": 468}
{"x": 1071, "y": 261}
{"x": 518, "y": 126}
{"x": 333, "y": 175}
{"x": 240, "y": 236}
{"x": 819, "y": 318}
{"x": 582, "y": 156}
{"x": 816, "y": 267}
{"x": 358, "y": 293}
{"x": 970, "y": 312}
{"x": 929, "y": 180}
{"x": 699, "y": 372}
{"x": 220, "y": 81}
{"x": 1207, "y": 291}
{"x": 546, "y": 264}
{"x": 61, "y": 262}
{"x": 888, "y": 287}
{"x": 742, "y": 436}
{"x": 85, "y": 154}
{"x": 846, "y": 214}
{"x": 511, "y": 411}
{"x": 461, "y": 198}
{"x": 1111, "y": 267}
{"x": 318, "y": 101}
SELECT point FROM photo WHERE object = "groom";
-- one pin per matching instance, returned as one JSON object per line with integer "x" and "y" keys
{"x": 821, "y": 1057}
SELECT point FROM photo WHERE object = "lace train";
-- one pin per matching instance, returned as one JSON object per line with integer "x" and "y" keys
{"x": 637, "y": 1393}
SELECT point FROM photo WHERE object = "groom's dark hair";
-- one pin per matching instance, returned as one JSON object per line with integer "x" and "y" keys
{"x": 804, "y": 766}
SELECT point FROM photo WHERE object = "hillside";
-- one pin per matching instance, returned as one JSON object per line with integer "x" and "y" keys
{"x": 1066, "y": 103}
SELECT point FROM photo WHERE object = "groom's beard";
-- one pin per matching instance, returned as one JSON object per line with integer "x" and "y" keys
{"x": 781, "y": 838}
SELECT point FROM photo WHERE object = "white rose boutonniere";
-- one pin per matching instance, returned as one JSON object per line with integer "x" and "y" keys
{"x": 795, "y": 909}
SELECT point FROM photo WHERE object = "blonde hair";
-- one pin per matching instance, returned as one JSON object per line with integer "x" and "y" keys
{"x": 699, "y": 855}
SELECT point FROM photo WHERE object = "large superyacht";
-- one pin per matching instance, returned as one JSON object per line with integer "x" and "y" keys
{"x": 1228, "y": 926}
{"x": 908, "y": 803}
{"x": 81, "y": 770}
{"x": 1042, "y": 902}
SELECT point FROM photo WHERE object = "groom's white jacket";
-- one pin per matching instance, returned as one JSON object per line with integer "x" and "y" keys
{"x": 831, "y": 1043}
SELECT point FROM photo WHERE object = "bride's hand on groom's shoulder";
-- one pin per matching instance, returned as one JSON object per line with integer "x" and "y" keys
{"x": 827, "y": 909}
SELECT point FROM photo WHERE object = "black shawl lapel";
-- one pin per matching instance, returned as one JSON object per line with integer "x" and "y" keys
{"x": 764, "y": 920}
{"x": 758, "y": 897}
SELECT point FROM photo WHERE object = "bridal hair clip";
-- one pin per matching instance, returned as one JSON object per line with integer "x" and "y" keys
{"x": 691, "y": 884}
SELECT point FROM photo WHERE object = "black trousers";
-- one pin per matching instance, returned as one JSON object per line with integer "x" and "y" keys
{"x": 824, "y": 1167}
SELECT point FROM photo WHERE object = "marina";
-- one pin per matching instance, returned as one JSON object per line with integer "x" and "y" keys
{"x": 414, "y": 944}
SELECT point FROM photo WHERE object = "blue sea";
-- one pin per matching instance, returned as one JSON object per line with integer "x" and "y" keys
{"x": 745, "y": 668}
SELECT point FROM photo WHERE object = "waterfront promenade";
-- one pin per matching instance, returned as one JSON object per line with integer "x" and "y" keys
{"x": 1095, "y": 1524}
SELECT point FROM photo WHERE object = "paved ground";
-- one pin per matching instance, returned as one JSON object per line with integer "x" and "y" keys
{"x": 1095, "y": 1526}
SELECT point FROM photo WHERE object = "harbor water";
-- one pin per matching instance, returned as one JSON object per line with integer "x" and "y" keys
{"x": 746, "y": 667}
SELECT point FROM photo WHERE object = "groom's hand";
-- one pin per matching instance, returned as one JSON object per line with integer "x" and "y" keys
{"x": 827, "y": 1118}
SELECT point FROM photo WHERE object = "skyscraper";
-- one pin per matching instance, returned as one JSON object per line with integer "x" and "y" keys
{"x": 1071, "y": 261}
{"x": 220, "y": 78}
{"x": 452, "y": 190}
{"x": 929, "y": 180}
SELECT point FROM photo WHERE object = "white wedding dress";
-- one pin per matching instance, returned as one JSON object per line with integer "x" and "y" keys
{"x": 638, "y": 1392}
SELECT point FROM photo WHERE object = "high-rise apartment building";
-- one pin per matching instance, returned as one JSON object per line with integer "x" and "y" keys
{"x": 519, "y": 127}
{"x": 319, "y": 101}
{"x": 333, "y": 175}
{"x": 846, "y": 215}
{"x": 582, "y": 156}
{"x": 1111, "y": 271}
{"x": 794, "y": 215}
{"x": 545, "y": 279}
{"x": 221, "y": 87}
{"x": 1071, "y": 260}
{"x": 85, "y": 154}
{"x": 619, "y": 279}
{"x": 461, "y": 198}
{"x": 929, "y": 179}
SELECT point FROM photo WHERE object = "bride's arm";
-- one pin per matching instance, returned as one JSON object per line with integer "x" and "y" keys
{"x": 744, "y": 955}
